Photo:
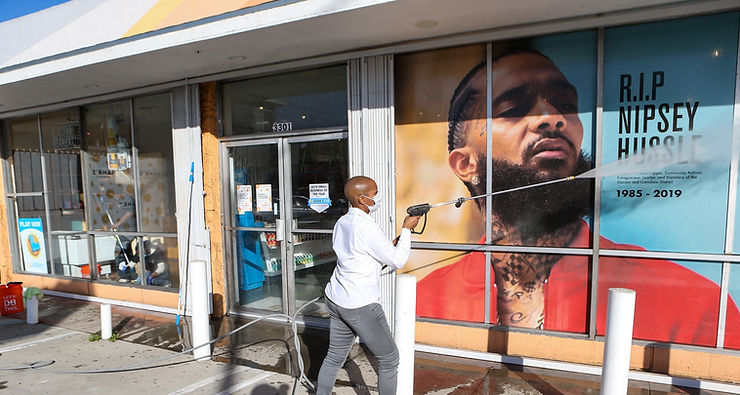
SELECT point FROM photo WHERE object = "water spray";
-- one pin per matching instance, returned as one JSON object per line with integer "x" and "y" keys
{"x": 422, "y": 209}
{"x": 630, "y": 165}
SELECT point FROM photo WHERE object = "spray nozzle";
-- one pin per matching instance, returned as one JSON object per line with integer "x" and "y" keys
{"x": 419, "y": 209}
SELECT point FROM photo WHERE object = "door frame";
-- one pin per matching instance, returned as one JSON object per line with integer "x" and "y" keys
{"x": 283, "y": 143}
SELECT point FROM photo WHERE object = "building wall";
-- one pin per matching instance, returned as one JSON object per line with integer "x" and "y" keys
{"x": 655, "y": 358}
{"x": 212, "y": 189}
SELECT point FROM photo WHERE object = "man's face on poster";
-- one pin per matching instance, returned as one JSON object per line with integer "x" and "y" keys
{"x": 536, "y": 136}
{"x": 535, "y": 120}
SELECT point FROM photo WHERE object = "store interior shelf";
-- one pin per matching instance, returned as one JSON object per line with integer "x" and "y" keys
{"x": 303, "y": 266}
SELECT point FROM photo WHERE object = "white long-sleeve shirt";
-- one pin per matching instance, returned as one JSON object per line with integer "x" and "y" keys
{"x": 362, "y": 250}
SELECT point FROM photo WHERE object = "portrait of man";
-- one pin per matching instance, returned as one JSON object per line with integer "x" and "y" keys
{"x": 537, "y": 136}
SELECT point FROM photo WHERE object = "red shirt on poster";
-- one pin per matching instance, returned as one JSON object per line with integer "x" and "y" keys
{"x": 673, "y": 304}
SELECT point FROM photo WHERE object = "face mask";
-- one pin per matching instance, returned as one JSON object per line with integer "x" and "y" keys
{"x": 376, "y": 200}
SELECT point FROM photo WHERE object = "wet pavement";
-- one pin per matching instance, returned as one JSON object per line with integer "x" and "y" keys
{"x": 258, "y": 360}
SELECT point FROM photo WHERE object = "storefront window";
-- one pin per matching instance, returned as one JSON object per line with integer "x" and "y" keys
{"x": 105, "y": 198}
{"x": 110, "y": 174}
{"x": 23, "y": 152}
{"x": 62, "y": 142}
{"x": 309, "y": 99}
{"x": 153, "y": 132}
{"x": 668, "y": 132}
{"x": 665, "y": 170}
{"x": 130, "y": 176}
{"x": 676, "y": 301}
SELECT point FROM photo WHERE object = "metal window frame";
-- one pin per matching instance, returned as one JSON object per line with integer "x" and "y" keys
{"x": 10, "y": 183}
{"x": 726, "y": 259}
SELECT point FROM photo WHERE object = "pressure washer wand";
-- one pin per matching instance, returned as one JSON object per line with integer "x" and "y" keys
{"x": 422, "y": 209}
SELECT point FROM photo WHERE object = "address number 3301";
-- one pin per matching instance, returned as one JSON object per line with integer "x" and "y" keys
{"x": 282, "y": 126}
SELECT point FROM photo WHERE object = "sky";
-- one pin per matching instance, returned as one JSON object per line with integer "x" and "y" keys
{"x": 11, "y": 9}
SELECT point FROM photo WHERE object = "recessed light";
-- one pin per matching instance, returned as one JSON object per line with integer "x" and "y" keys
{"x": 426, "y": 23}
{"x": 91, "y": 86}
{"x": 238, "y": 57}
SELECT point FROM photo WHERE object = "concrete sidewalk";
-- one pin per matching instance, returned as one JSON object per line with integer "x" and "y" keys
{"x": 260, "y": 360}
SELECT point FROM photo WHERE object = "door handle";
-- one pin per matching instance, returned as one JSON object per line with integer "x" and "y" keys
{"x": 279, "y": 230}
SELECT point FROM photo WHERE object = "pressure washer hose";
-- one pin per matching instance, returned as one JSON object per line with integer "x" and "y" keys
{"x": 38, "y": 365}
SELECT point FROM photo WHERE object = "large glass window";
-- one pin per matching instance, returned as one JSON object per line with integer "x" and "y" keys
{"x": 62, "y": 141}
{"x": 26, "y": 186}
{"x": 92, "y": 192}
{"x": 664, "y": 163}
{"x": 153, "y": 132}
{"x": 308, "y": 99}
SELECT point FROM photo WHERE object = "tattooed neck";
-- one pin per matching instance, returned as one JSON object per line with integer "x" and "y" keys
{"x": 521, "y": 278}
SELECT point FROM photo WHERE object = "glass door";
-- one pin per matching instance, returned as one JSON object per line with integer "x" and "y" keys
{"x": 256, "y": 229}
{"x": 317, "y": 170}
{"x": 285, "y": 196}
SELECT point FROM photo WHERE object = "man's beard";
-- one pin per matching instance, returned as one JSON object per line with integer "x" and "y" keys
{"x": 539, "y": 210}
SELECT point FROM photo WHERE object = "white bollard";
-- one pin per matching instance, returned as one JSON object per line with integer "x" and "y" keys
{"x": 405, "y": 328}
{"x": 620, "y": 316}
{"x": 106, "y": 327}
{"x": 199, "y": 310}
{"x": 32, "y": 310}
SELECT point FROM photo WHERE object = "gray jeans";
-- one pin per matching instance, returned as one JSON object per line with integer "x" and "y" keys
{"x": 370, "y": 324}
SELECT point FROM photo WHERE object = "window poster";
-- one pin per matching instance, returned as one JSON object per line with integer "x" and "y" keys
{"x": 668, "y": 85}
{"x": 668, "y": 113}
{"x": 31, "y": 235}
{"x": 666, "y": 147}
{"x": 243, "y": 198}
{"x": 319, "y": 199}
{"x": 264, "y": 197}
{"x": 543, "y": 101}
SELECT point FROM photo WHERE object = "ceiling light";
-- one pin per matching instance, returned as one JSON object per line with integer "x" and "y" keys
{"x": 237, "y": 57}
{"x": 262, "y": 107}
{"x": 426, "y": 23}
{"x": 91, "y": 86}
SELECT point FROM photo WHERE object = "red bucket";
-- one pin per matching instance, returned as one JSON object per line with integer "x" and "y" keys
{"x": 11, "y": 298}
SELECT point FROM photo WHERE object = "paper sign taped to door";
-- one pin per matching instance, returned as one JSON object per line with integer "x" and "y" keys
{"x": 243, "y": 198}
{"x": 264, "y": 197}
{"x": 319, "y": 197}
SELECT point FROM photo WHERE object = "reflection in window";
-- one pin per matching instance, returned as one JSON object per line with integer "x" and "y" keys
{"x": 153, "y": 129}
{"x": 159, "y": 255}
{"x": 302, "y": 100}
{"x": 109, "y": 160}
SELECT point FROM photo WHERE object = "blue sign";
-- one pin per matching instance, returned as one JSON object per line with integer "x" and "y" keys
{"x": 31, "y": 235}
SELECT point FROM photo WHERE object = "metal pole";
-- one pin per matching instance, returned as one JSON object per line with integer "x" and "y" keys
{"x": 106, "y": 326}
{"x": 405, "y": 325}
{"x": 618, "y": 343}
{"x": 199, "y": 310}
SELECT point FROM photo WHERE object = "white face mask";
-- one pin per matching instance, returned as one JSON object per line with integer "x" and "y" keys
{"x": 376, "y": 200}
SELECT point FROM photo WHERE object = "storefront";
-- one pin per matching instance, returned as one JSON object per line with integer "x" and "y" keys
{"x": 634, "y": 112}
{"x": 89, "y": 193}
{"x": 284, "y": 161}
